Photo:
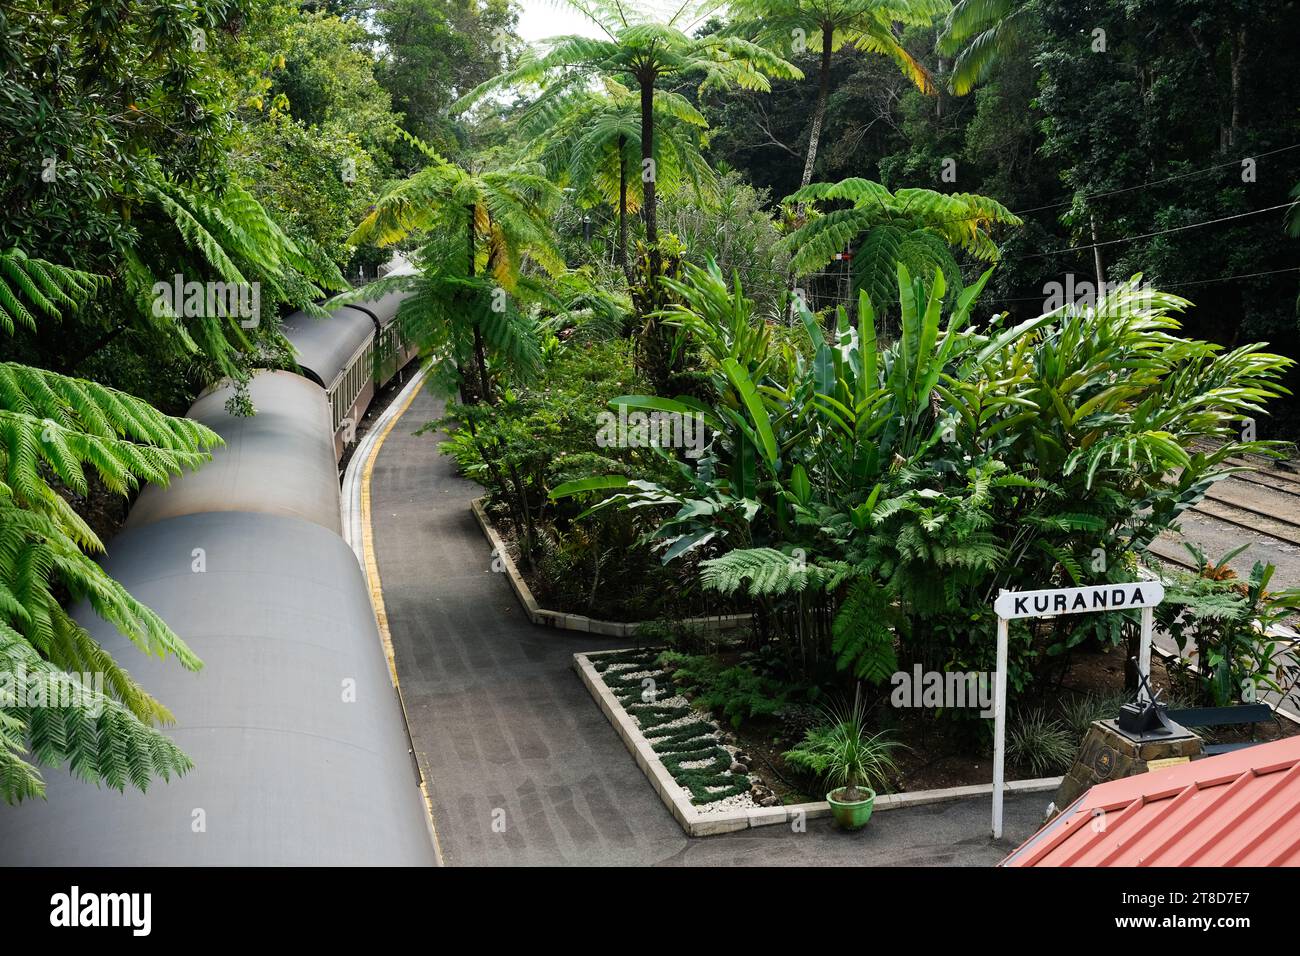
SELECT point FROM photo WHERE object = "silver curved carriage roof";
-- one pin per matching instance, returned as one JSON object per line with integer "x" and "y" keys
{"x": 384, "y": 309}
{"x": 279, "y": 461}
{"x": 323, "y": 347}
{"x": 286, "y": 770}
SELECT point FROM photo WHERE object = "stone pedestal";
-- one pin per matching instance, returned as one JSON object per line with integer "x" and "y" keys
{"x": 1109, "y": 754}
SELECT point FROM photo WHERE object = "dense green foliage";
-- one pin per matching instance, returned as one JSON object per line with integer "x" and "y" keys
{"x": 234, "y": 143}
{"x": 54, "y": 430}
{"x": 912, "y": 227}
{"x": 480, "y": 230}
{"x": 1041, "y": 744}
{"x": 735, "y": 692}
{"x": 881, "y": 491}
{"x": 646, "y": 52}
{"x": 1186, "y": 116}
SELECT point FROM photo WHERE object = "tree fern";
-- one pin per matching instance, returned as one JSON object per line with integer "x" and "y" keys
{"x": 915, "y": 228}
{"x": 484, "y": 237}
{"x": 224, "y": 235}
{"x": 60, "y": 719}
{"x": 861, "y": 636}
{"x": 55, "y": 432}
{"x": 981, "y": 33}
{"x": 32, "y": 287}
{"x": 641, "y": 51}
{"x": 762, "y": 572}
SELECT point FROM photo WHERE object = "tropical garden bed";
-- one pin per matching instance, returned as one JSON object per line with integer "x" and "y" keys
{"x": 862, "y": 473}
{"x": 864, "y": 500}
{"x": 730, "y": 735}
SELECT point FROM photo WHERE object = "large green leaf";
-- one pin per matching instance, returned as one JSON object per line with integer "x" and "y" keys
{"x": 581, "y": 486}
{"x": 758, "y": 416}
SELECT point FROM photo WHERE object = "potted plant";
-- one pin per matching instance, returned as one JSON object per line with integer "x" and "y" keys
{"x": 850, "y": 758}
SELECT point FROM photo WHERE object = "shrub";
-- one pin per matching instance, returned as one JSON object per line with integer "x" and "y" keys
{"x": 1080, "y": 712}
{"x": 733, "y": 229}
{"x": 843, "y": 753}
{"x": 542, "y": 434}
{"x": 736, "y": 692}
{"x": 870, "y": 502}
{"x": 1040, "y": 743}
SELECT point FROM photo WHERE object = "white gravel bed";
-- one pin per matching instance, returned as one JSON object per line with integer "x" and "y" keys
{"x": 695, "y": 764}
{"x": 741, "y": 801}
{"x": 662, "y": 729}
{"x": 640, "y": 675}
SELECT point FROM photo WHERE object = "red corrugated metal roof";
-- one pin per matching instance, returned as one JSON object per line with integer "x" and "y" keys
{"x": 1237, "y": 809}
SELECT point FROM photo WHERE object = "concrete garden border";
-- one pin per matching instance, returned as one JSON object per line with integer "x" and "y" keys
{"x": 698, "y": 824}
{"x": 579, "y": 622}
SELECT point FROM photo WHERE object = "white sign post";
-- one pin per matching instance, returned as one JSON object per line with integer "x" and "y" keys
{"x": 1140, "y": 595}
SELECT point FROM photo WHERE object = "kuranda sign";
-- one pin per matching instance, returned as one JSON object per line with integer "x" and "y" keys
{"x": 1099, "y": 597}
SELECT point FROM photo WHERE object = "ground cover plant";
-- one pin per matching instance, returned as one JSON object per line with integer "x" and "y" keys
{"x": 685, "y": 741}
{"x": 1222, "y": 626}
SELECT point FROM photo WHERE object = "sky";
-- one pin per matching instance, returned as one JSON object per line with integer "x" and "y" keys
{"x": 539, "y": 19}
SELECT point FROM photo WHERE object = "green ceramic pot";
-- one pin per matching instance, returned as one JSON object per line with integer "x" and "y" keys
{"x": 851, "y": 815}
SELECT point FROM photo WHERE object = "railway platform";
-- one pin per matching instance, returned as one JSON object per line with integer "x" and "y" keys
{"x": 520, "y": 765}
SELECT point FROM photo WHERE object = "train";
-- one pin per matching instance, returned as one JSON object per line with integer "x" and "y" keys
{"x": 300, "y": 749}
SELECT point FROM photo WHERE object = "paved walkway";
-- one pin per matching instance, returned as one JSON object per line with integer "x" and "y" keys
{"x": 521, "y": 765}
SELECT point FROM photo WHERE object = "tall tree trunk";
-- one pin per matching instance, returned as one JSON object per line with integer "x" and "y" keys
{"x": 1238, "y": 54}
{"x": 1096, "y": 256}
{"x": 480, "y": 358}
{"x": 819, "y": 113}
{"x": 938, "y": 96}
{"x": 622, "y": 208}
{"x": 648, "y": 171}
{"x": 480, "y": 352}
{"x": 814, "y": 136}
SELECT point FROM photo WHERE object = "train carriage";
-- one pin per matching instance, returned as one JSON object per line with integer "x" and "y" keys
{"x": 301, "y": 754}
{"x": 352, "y": 354}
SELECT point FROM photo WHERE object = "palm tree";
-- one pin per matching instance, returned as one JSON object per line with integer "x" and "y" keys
{"x": 981, "y": 32}
{"x": 645, "y": 52}
{"x": 480, "y": 228}
{"x": 591, "y": 139}
{"x": 916, "y": 227}
{"x": 828, "y": 25}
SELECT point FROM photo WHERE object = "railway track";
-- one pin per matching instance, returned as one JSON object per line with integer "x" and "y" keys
{"x": 1277, "y": 475}
{"x": 1250, "y": 518}
{"x": 1264, "y": 501}
{"x": 1168, "y": 553}
{"x": 1277, "y": 481}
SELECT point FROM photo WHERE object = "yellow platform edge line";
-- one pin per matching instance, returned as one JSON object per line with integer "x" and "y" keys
{"x": 377, "y": 594}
